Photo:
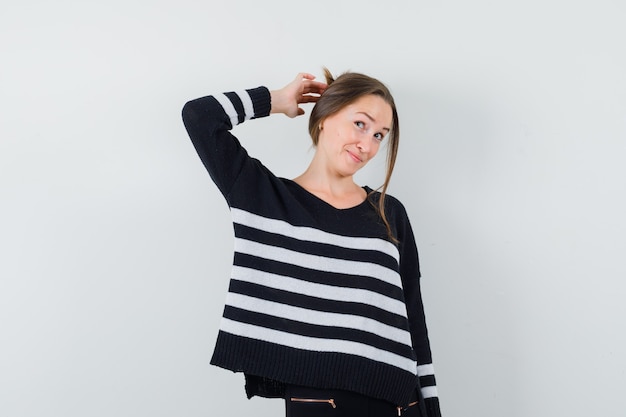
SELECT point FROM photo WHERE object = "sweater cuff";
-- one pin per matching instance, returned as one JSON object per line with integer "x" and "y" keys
{"x": 261, "y": 101}
{"x": 432, "y": 407}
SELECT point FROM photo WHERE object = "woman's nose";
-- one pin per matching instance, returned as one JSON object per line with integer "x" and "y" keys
{"x": 363, "y": 144}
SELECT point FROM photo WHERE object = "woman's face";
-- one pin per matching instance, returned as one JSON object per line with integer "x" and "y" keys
{"x": 350, "y": 138}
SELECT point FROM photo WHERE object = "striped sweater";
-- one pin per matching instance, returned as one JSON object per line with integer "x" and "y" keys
{"x": 318, "y": 296}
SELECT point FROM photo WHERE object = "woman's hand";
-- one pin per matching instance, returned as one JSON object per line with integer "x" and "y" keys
{"x": 301, "y": 90}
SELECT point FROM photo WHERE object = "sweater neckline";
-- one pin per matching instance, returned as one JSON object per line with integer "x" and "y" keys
{"x": 323, "y": 202}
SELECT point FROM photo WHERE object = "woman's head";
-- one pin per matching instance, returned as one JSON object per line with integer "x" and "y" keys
{"x": 347, "y": 89}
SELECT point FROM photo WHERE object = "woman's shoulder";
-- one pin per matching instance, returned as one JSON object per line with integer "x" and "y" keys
{"x": 392, "y": 203}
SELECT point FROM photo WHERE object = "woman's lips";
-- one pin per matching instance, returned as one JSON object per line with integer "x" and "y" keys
{"x": 354, "y": 157}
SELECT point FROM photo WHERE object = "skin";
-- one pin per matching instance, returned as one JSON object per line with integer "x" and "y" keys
{"x": 348, "y": 140}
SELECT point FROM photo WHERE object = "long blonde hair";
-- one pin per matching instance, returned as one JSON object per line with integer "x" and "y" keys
{"x": 344, "y": 90}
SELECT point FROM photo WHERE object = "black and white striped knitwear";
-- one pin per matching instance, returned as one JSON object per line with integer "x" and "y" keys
{"x": 318, "y": 296}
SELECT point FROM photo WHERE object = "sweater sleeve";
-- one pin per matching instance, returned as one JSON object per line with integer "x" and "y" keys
{"x": 208, "y": 121}
{"x": 410, "y": 271}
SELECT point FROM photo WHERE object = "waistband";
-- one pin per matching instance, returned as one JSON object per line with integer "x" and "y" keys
{"x": 300, "y": 401}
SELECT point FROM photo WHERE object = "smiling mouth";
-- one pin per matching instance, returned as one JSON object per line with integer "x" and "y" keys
{"x": 354, "y": 157}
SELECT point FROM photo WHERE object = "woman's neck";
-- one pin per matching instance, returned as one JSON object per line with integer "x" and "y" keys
{"x": 339, "y": 192}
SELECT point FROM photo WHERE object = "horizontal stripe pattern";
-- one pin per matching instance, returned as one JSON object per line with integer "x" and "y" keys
{"x": 426, "y": 374}
{"x": 315, "y": 330}
{"x": 320, "y": 249}
{"x": 320, "y": 263}
{"x": 315, "y": 304}
{"x": 311, "y": 234}
{"x": 319, "y": 318}
{"x": 248, "y": 106}
{"x": 429, "y": 392}
{"x": 427, "y": 369}
{"x": 327, "y": 292}
{"x": 298, "y": 312}
{"x": 319, "y": 277}
{"x": 237, "y": 105}
{"x": 229, "y": 108}
{"x": 315, "y": 344}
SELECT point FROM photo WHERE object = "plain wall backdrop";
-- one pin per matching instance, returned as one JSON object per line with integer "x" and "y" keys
{"x": 115, "y": 246}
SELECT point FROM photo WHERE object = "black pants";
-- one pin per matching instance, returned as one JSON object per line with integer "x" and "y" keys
{"x": 313, "y": 402}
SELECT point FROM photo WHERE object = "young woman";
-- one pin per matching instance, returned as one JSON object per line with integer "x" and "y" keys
{"x": 324, "y": 306}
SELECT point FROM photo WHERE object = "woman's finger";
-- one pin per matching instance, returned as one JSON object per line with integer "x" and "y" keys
{"x": 308, "y": 99}
{"x": 314, "y": 87}
{"x": 305, "y": 75}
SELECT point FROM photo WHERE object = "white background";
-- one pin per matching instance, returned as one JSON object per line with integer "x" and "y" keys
{"x": 116, "y": 247}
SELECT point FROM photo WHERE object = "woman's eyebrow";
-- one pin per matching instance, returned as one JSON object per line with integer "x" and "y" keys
{"x": 372, "y": 119}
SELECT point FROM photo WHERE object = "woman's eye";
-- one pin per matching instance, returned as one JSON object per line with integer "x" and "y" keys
{"x": 379, "y": 136}
{"x": 360, "y": 125}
